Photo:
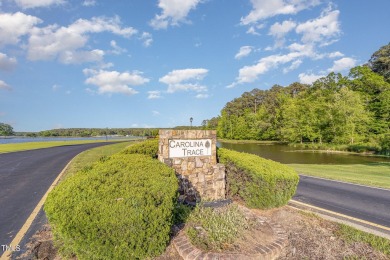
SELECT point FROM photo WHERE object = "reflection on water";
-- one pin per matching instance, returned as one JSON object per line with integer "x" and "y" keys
{"x": 287, "y": 154}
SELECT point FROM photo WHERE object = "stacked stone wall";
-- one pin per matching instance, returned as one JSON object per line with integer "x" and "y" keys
{"x": 200, "y": 177}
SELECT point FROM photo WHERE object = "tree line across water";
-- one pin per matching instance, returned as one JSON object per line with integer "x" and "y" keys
{"x": 353, "y": 110}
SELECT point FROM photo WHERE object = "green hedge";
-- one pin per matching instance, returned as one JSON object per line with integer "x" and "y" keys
{"x": 261, "y": 183}
{"x": 120, "y": 208}
{"x": 148, "y": 147}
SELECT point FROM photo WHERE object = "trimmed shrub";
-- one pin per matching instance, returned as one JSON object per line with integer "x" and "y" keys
{"x": 259, "y": 182}
{"x": 120, "y": 208}
{"x": 148, "y": 147}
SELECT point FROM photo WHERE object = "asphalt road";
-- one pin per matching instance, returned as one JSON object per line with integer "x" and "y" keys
{"x": 26, "y": 176}
{"x": 369, "y": 204}
{"x": 24, "y": 179}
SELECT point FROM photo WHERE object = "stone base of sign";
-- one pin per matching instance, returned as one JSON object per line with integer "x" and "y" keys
{"x": 200, "y": 177}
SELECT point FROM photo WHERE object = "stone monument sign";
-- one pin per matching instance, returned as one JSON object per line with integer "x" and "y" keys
{"x": 193, "y": 155}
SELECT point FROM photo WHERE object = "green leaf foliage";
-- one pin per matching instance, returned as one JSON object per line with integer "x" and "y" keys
{"x": 148, "y": 147}
{"x": 120, "y": 208}
{"x": 6, "y": 130}
{"x": 335, "y": 109}
{"x": 259, "y": 182}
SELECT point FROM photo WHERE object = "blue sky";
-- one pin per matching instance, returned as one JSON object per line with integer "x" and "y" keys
{"x": 67, "y": 63}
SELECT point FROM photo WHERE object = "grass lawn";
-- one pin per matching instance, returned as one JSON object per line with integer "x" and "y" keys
{"x": 14, "y": 147}
{"x": 370, "y": 174}
{"x": 90, "y": 156}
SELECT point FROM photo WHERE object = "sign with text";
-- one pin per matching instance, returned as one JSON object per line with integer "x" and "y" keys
{"x": 189, "y": 148}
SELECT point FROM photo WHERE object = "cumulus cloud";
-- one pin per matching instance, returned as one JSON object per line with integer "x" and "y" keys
{"x": 116, "y": 49}
{"x": 66, "y": 43}
{"x": 7, "y": 63}
{"x": 4, "y": 85}
{"x": 335, "y": 54}
{"x": 89, "y": 3}
{"x": 249, "y": 74}
{"x": 201, "y": 96}
{"x": 14, "y": 26}
{"x": 185, "y": 80}
{"x": 266, "y": 9}
{"x": 294, "y": 65}
{"x": 308, "y": 78}
{"x": 173, "y": 12}
{"x": 147, "y": 39}
{"x": 279, "y": 30}
{"x": 321, "y": 29}
{"x": 25, "y": 4}
{"x": 342, "y": 64}
{"x": 154, "y": 94}
{"x": 243, "y": 52}
{"x": 114, "y": 82}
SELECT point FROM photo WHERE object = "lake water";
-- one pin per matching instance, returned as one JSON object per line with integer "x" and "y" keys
{"x": 287, "y": 154}
{"x": 9, "y": 140}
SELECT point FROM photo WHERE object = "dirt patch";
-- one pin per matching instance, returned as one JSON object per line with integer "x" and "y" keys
{"x": 310, "y": 237}
{"x": 41, "y": 246}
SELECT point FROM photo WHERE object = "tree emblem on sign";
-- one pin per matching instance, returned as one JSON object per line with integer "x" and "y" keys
{"x": 207, "y": 145}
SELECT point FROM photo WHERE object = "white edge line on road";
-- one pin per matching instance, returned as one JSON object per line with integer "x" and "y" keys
{"x": 19, "y": 236}
{"x": 341, "y": 215}
{"x": 351, "y": 183}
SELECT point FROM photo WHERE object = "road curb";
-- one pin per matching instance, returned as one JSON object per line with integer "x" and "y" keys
{"x": 360, "y": 224}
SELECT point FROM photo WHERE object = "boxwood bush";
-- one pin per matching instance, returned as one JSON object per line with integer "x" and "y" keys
{"x": 259, "y": 182}
{"x": 148, "y": 147}
{"x": 120, "y": 208}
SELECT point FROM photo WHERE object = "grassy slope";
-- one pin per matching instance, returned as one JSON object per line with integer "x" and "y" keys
{"x": 88, "y": 157}
{"x": 14, "y": 147}
{"x": 371, "y": 174}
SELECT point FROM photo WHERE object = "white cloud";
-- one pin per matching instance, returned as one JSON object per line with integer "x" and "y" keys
{"x": 154, "y": 94}
{"x": 342, "y": 64}
{"x": 7, "y": 63}
{"x": 147, "y": 38}
{"x": 322, "y": 28}
{"x": 266, "y": 9}
{"x": 249, "y": 74}
{"x": 89, "y": 3}
{"x": 178, "y": 76}
{"x": 116, "y": 49}
{"x": 243, "y": 52}
{"x": 335, "y": 54}
{"x": 202, "y": 96}
{"x": 279, "y": 30}
{"x": 294, "y": 65}
{"x": 185, "y": 80}
{"x": 253, "y": 29}
{"x": 173, "y": 12}
{"x": 13, "y": 26}
{"x": 25, "y": 4}
{"x": 4, "y": 85}
{"x": 114, "y": 81}
{"x": 66, "y": 43}
{"x": 155, "y": 113}
{"x": 308, "y": 78}
{"x": 77, "y": 57}
{"x": 186, "y": 87}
